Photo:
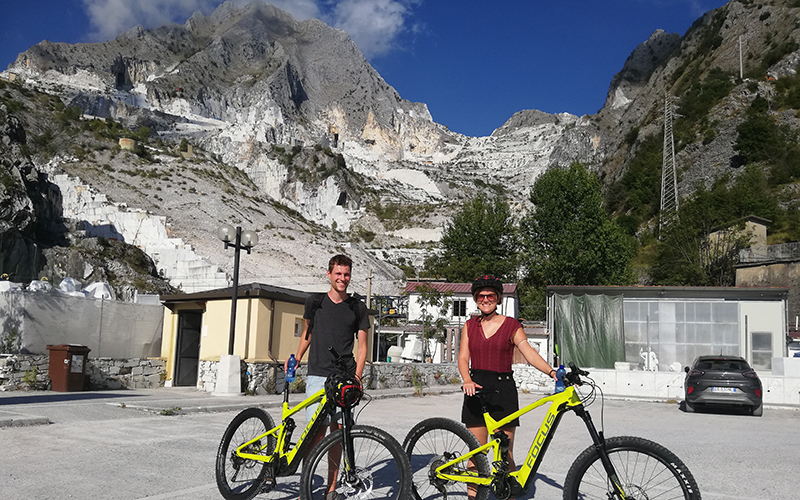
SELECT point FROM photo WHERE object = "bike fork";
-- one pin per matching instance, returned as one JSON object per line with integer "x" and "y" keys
{"x": 348, "y": 452}
{"x": 600, "y": 445}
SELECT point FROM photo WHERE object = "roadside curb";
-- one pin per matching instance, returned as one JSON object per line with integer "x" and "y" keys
{"x": 23, "y": 421}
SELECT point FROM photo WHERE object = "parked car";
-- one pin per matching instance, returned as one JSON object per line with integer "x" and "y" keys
{"x": 722, "y": 381}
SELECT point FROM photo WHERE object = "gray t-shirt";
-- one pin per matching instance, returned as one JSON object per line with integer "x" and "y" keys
{"x": 334, "y": 325}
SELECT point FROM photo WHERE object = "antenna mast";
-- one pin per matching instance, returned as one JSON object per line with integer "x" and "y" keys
{"x": 669, "y": 180}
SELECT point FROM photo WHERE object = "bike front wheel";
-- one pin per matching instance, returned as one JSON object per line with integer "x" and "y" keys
{"x": 434, "y": 442}
{"x": 380, "y": 469}
{"x": 240, "y": 478}
{"x": 645, "y": 470}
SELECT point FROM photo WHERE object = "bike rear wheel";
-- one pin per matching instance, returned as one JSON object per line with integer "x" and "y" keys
{"x": 434, "y": 442}
{"x": 239, "y": 478}
{"x": 645, "y": 470}
{"x": 380, "y": 469}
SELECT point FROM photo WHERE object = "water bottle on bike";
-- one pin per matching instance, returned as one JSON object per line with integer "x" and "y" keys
{"x": 291, "y": 369}
{"x": 560, "y": 374}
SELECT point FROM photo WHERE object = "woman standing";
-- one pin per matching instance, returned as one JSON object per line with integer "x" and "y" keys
{"x": 484, "y": 360}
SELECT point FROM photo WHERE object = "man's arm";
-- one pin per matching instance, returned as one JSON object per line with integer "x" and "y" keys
{"x": 305, "y": 340}
{"x": 361, "y": 353}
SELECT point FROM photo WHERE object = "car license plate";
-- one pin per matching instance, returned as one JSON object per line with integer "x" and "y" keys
{"x": 723, "y": 389}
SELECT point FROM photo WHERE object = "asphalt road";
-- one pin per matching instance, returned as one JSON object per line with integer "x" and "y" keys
{"x": 110, "y": 448}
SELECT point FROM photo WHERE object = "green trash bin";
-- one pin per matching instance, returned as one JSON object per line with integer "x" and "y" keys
{"x": 68, "y": 367}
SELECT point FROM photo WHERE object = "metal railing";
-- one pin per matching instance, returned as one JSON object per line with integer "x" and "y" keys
{"x": 783, "y": 251}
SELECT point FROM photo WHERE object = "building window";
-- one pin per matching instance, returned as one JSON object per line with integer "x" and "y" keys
{"x": 298, "y": 327}
{"x": 460, "y": 307}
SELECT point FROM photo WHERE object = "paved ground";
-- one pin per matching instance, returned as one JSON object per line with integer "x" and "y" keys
{"x": 161, "y": 443}
{"x": 21, "y": 408}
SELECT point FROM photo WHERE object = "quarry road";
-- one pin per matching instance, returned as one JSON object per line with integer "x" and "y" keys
{"x": 118, "y": 445}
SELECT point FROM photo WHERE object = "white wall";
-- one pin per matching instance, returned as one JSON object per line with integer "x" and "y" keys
{"x": 762, "y": 316}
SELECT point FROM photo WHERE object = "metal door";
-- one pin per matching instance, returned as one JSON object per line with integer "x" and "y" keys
{"x": 188, "y": 348}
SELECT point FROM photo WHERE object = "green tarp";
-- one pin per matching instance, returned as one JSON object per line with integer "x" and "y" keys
{"x": 589, "y": 330}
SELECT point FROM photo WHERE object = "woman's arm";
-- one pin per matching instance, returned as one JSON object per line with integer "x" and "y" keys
{"x": 530, "y": 354}
{"x": 468, "y": 385}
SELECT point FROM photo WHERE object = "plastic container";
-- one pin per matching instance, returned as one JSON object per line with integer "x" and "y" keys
{"x": 560, "y": 374}
{"x": 291, "y": 369}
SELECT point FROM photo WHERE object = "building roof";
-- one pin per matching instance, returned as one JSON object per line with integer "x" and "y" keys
{"x": 250, "y": 290}
{"x": 456, "y": 288}
{"x": 674, "y": 292}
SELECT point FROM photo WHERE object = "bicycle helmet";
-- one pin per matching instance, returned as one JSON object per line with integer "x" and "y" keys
{"x": 487, "y": 281}
{"x": 343, "y": 389}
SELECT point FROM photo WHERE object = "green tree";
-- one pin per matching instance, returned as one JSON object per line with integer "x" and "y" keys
{"x": 434, "y": 305}
{"x": 569, "y": 238}
{"x": 481, "y": 239}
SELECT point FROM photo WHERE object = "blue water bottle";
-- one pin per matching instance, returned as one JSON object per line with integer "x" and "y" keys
{"x": 292, "y": 368}
{"x": 560, "y": 374}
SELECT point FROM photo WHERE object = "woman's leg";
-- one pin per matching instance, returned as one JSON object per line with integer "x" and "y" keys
{"x": 482, "y": 434}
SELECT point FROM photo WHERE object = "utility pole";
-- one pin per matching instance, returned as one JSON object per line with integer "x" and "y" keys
{"x": 369, "y": 288}
{"x": 669, "y": 180}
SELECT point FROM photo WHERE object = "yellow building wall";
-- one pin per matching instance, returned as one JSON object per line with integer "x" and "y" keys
{"x": 254, "y": 322}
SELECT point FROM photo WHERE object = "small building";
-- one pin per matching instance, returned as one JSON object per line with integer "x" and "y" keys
{"x": 269, "y": 323}
{"x": 462, "y": 307}
{"x": 663, "y": 328}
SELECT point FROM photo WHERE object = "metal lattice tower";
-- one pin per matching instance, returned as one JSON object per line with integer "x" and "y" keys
{"x": 669, "y": 180}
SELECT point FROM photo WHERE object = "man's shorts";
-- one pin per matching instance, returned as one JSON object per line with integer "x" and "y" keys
{"x": 313, "y": 384}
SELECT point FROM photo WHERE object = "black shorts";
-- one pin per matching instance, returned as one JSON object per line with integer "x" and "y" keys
{"x": 500, "y": 404}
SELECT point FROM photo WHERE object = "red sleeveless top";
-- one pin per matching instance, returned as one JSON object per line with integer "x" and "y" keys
{"x": 495, "y": 353}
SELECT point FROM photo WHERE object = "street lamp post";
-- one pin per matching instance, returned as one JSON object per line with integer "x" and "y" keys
{"x": 228, "y": 379}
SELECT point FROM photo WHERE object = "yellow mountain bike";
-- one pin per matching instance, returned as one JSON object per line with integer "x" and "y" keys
{"x": 362, "y": 462}
{"x": 446, "y": 457}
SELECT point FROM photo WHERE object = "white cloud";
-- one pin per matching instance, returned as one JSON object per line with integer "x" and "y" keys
{"x": 374, "y": 25}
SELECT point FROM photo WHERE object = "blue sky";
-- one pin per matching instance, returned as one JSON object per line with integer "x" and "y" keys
{"x": 473, "y": 63}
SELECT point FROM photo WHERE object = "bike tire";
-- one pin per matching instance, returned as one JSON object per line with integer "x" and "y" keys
{"x": 381, "y": 467}
{"x": 238, "y": 478}
{"x": 644, "y": 468}
{"x": 433, "y": 442}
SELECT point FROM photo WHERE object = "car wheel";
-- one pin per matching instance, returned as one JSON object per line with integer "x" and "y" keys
{"x": 758, "y": 410}
{"x": 688, "y": 407}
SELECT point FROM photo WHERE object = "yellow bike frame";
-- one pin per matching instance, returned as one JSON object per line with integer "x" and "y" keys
{"x": 560, "y": 402}
{"x": 283, "y": 454}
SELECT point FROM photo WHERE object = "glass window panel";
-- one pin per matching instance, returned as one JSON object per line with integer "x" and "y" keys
{"x": 730, "y": 334}
{"x": 652, "y": 310}
{"x": 680, "y": 333}
{"x": 762, "y": 341}
{"x": 680, "y": 312}
{"x": 691, "y": 335}
{"x": 666, "y": 312}
{"x": 667, "y": 332}
{"x": 762, "y": 360}
{"x": 717, "y": 334}
{"x": 725, "y": 312}
{"x": 689, "y": 317}
{"x": 632, "y": 352}
{"x": 630, "y": 310}
{"x": 703, "y": 312}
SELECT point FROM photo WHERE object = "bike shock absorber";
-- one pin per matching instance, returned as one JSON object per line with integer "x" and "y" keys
{"x": 289, "y": 426}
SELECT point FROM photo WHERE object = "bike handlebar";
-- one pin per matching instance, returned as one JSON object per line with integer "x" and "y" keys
{"x": 573, "y": 376}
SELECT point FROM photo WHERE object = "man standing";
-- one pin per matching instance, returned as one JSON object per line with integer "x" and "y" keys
{"x": 333, "y": 322}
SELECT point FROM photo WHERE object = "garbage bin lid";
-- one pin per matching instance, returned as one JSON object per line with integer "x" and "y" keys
{"x": 65, "y": 347}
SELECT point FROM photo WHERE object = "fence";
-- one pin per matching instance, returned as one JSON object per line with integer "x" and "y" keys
{"x": 30, "y": 321}
{"x": 783, "y": 251}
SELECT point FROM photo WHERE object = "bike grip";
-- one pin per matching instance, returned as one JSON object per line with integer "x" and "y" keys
{"x": 333, "y": 351}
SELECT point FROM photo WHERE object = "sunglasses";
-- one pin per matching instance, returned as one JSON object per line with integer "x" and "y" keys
{"x": 487, "y": 296}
